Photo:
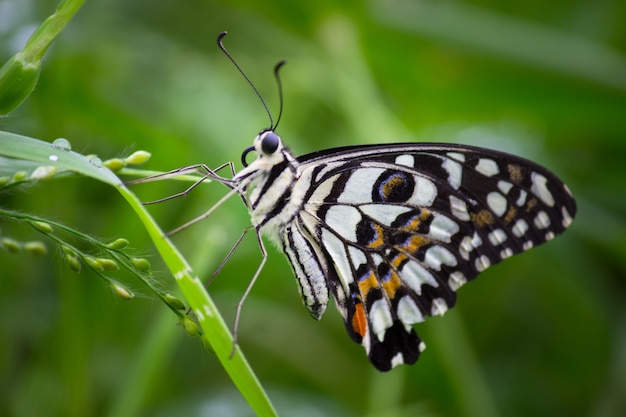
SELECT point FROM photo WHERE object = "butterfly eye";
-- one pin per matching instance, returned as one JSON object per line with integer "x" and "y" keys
{"x": 269, "y": 143}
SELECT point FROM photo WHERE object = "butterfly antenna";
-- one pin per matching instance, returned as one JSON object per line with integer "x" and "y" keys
{"x": 223, "y": 48}
{"x": 279, "y": 84}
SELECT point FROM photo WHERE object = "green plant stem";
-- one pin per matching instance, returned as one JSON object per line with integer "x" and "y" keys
{"x": 41, "y": 39}
{"x": 214, "y": 329}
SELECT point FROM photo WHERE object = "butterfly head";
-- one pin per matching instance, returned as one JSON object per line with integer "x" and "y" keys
{"x": 269, "y": 148}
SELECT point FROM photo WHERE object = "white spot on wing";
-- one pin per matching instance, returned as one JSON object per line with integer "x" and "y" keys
{"x": 438, "y": 255}
{"x": 408, "y": 312}
{"x": 458, "y": 208}
{"x": 343, "y": 220}
{"x": 468, "y": 244}
{"x": 542, "y": 221}
{"x": 521, "y": 200}
{"x": 482, "y": 263}
{"x": 506, "y": 253}
{"x": 442, "y": 228}
{"x": 567, "y": 218}
{"x": 380, "y": 318}
{"x": 505, "y": 186}
{"x": 322, "y": 191}
{"x": 455, "y": 172}
{"x": 487, "y": 167}
{"x": 415, "y": 275}
{"x": 457, "y": 155}
{"x": 497, "y": 237}
{"x": 439, "y": 307}
{"x": 337, "y": 251}
{"x": 527, "y": 245}
{"x": 357, "y": 256}
{"x": 406, "y": 160}
{"x": 359, "y": 186}
{"x": 384, "y": 213}
{"x": 457, "y": 280}
{"x": 497, "y": 203}
{"x": 540, "y": 189}
{"x": 397, "y": 360}
{"x": 520, "y": 227}
{"x": 424, "y": 193}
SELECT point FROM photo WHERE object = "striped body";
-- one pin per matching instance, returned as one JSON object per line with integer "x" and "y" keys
{"x": 393, "y": 231}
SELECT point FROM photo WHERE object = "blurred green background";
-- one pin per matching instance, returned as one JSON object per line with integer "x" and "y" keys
{"x": 542, "y": 334}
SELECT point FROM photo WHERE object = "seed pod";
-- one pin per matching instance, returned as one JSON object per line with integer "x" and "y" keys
{"x": 11, "y": 245}
{"x": 94, "y": 263}
{"x": 138, "y": 158}
{"x": 190, "y": 326}
{"x": 174, "y": 302}
{"x": 41, "y": 226}
{"x": 122, "y": 292}
{"x": 43, "y": 172}
{"x": 108, "y": 264}
{"x": 36, "y": 248}
{"x": 72, "y": 262}
{"x": 141, "y": 264}
{"x": 120, "y": 243}
{"x": 114, "y": 164}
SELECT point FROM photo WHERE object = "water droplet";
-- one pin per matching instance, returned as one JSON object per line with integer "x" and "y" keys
{"x": 62, "y": 144}
{"x": 53, "y": 158}
{"x": 95, "y": 161}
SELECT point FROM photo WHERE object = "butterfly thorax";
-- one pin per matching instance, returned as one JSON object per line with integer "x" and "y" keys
{"x": 269, "y": 182}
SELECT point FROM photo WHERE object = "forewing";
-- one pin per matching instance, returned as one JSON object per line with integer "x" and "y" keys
{"x": 405, "y": 225}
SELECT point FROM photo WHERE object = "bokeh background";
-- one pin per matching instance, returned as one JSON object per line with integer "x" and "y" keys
{"x": 542, "y": 334}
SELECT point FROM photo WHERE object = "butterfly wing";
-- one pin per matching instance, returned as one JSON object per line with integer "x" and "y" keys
{"x": 395, "y": 230}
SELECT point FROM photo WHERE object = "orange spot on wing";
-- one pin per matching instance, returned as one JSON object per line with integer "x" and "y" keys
{"x": 391, "y": 285}
{"x": 359, "y": 320}
{"x": 482, "y": 218}
{"x": 414, "y": 243}
{"x": 530, "y": 204}
{"x": 510, "y": 214}
{"x": 366, "y": 284}
{"x": 415, "y": 221}
{"x": 390, "y": 185}
{"x": 515, "y": 173}
{"x": 380, "y": 237}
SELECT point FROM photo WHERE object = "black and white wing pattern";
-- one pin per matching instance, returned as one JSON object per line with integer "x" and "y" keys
{"x": 393, "y": 231}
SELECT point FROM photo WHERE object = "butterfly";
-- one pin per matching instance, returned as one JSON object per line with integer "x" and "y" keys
{"x": 391, "y": 232}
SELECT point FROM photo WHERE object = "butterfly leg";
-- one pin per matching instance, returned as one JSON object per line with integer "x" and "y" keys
{"x": 230, "y": 253}
{"x": 206, "y": 214}
{"x": 248, "y": 289}
{"x": 199, "y": 169}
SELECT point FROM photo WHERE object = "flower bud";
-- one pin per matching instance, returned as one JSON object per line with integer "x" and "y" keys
{"x": 94, "y": 263}
{"x": 19, "y": 175}
{"x": 120, "y": 243}
{"x": 12, "y": 246}
{"x": 43, "y": 172}
{"x": 18, "y": 78}
{"x": 138, "y": 158}
{"x": 174, "y": 302}
{"x": 190, "y": 326}
{"x": 72, "y": 262}
{"x": 141, "y": 264}
{"x": 114, "y": 164}
{"x": 36, "y": 248}
{"x": 108, "y": 264}
{"x": 41, "y": 226}
{"x": 122, "y": 292}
